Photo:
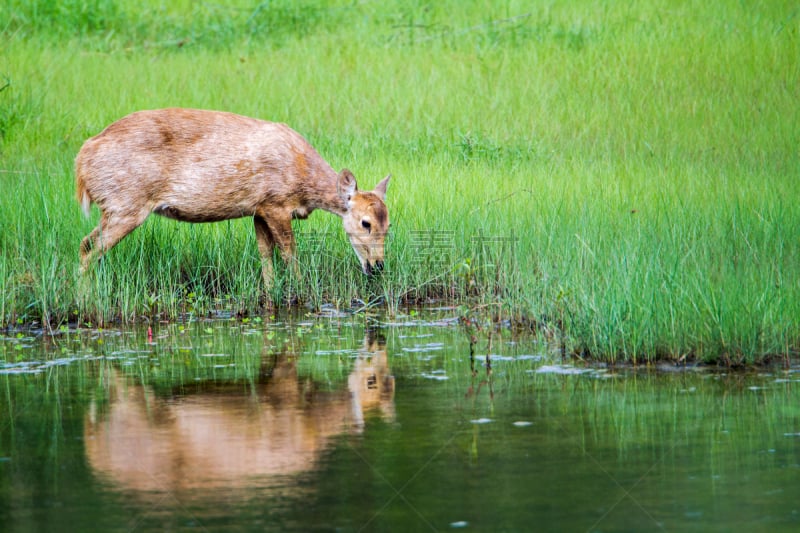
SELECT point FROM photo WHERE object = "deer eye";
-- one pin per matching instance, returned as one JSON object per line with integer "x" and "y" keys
{"x": 366, "y": 225}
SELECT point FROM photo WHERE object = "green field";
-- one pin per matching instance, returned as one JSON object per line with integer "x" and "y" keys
{"x": 623, "y": 177}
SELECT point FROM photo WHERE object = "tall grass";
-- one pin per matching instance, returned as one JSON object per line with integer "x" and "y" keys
{"x": 624, "y": 174}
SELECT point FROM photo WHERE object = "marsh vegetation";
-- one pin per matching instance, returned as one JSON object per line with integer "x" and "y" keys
{"x": 622, "y": 177}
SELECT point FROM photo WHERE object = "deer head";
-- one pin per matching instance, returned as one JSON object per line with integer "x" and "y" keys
{"x": 366, "y": 220}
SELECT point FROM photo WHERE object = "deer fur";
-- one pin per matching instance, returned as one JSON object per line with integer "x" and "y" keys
{"x": 206, "y": 166}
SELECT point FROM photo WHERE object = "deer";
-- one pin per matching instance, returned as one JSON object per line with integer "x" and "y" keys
{"x": 198, "y": 165}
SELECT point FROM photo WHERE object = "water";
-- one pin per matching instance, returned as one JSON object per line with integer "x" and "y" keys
{"x": 324, "y": 424}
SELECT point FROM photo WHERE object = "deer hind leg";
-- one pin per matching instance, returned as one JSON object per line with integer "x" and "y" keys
{"x": 108, "y": 233}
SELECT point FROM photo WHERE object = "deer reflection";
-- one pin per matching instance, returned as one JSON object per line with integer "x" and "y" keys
{"x": 227, "y": 435}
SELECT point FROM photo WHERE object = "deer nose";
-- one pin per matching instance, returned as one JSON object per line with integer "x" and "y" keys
{"x": 378, "y": 265}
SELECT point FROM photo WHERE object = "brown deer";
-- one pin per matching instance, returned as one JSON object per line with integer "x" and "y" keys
{"x": 206, "y": 166}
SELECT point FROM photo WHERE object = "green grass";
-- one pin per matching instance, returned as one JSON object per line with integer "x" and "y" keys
{"x": 626, "y": 175}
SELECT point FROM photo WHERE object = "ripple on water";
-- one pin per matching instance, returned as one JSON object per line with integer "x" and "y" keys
{"x": 565, "y": 370}
{"x": 497, "y": 358}
{"x": 19, "y": 369}
{"x": 36, "y": 367}
{"x": 348, "y": 351}
{"x": 422, "y": 348}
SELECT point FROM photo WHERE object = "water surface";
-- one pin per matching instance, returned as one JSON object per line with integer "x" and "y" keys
{"x": 356, "y": 424}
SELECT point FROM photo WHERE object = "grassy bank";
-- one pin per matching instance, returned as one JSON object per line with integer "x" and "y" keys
{"x": 626, "y": 176}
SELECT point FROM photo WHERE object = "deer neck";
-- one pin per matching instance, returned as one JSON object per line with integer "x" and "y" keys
{"x": 322, "y": 193}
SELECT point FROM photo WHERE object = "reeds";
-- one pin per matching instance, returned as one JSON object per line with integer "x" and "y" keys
{"x": 626, "y": 175}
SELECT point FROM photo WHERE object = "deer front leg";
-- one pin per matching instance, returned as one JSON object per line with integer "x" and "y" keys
{"x": 281, "y": 230}
{"x": 265, "y": 246}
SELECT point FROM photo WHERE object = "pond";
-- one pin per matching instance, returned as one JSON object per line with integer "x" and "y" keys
{"x": 354, "y": 423}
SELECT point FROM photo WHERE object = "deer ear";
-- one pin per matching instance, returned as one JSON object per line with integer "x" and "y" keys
{"x": 346, "y": 185}
{"x": 380, "y": 188}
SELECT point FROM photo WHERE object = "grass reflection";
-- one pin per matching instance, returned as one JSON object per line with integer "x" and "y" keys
{"x": 303, "y": 424}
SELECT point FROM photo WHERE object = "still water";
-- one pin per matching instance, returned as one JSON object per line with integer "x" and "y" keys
{"x": 377, "y": 424}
